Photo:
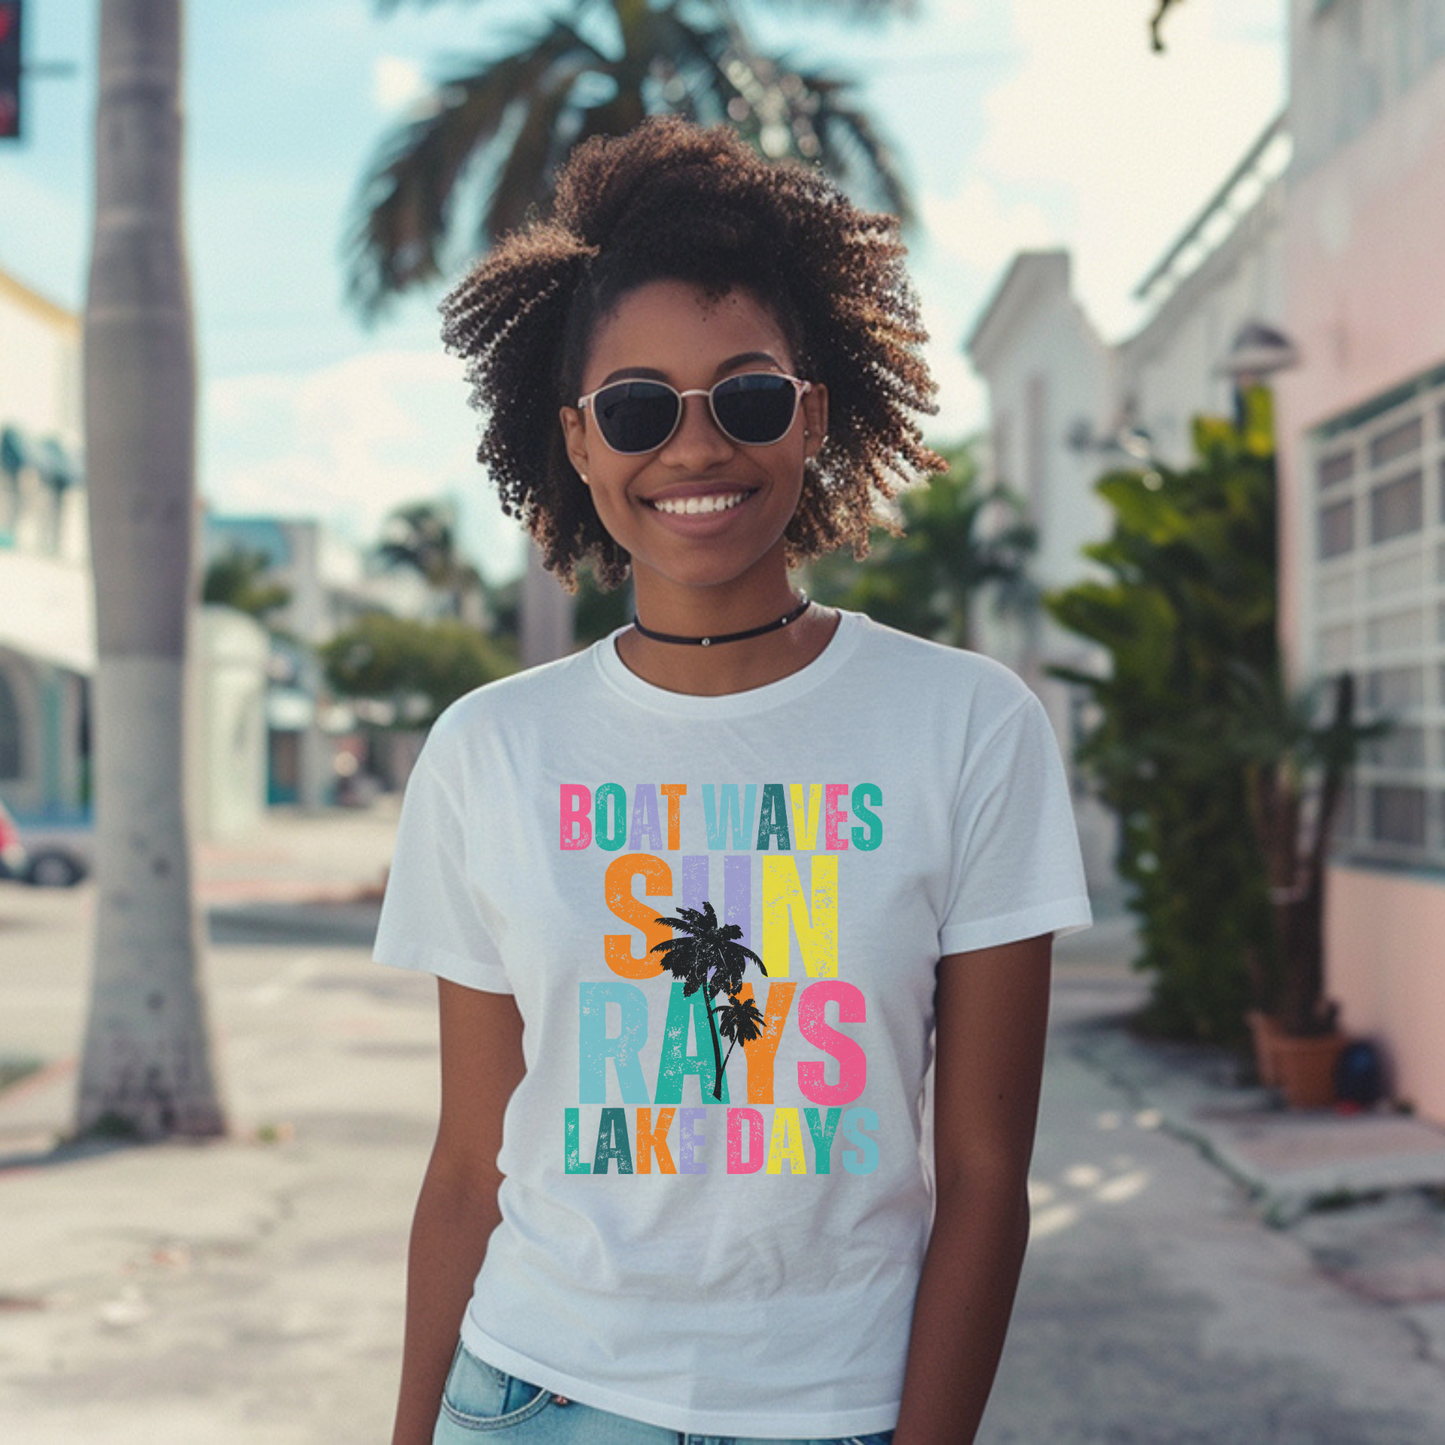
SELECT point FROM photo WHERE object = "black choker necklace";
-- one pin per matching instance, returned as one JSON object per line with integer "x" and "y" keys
{"x": 782, "y": 621}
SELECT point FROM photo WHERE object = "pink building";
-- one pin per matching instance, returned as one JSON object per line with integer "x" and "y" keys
{"x": 1332, "y": 230}
{"x": 1362, "y": 438}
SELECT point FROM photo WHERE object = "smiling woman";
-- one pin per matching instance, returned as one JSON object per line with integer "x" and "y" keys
{"x": 700, "y": 370}
{"x": 701, "y": 513}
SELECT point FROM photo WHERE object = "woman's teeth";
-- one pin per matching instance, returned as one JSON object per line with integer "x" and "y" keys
{"x": 690, "y": 506}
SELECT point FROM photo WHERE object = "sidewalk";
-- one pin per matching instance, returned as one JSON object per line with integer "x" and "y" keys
{"x": 239, "y": 1290}
{"x": 334, "y": 856}
{"x": 1291, "y": 1162}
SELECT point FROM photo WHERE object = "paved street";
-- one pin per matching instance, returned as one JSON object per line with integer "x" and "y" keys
{"x": 251, "y": 1290}
{"x": 1156, "y": 1308}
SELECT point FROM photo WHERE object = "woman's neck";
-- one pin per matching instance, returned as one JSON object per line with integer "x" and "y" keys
{"x": 722, "y": 667}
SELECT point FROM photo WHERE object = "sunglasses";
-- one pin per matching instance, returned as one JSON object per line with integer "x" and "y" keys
{"x": 754, "y": 409}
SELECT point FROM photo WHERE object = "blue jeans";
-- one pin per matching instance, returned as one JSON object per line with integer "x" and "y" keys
{"x": 480, "y": 1400}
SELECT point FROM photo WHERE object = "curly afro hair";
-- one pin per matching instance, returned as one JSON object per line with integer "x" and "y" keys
{"x": 673, "y": 201}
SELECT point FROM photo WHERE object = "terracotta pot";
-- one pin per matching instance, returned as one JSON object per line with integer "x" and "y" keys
{"x": 1263, "y": 1031}
{"x": 1306, "y": 1069}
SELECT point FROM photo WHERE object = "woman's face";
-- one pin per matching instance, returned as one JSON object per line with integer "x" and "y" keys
{"x": 674, "y": 332}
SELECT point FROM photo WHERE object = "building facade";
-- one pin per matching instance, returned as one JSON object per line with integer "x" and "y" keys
{"x": 1050, "y": 382}
{"x": 1065, "y": 407}
{"x": 315, "y": 744}
{"x": 1328, "y": 231}
{"x": 1362, "y": 429}
{"x": 47, "y": 633}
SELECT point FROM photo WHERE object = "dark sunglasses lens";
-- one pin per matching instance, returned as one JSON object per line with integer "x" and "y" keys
{"x": 756, "y": 409}
{"x": 635, "y": 416}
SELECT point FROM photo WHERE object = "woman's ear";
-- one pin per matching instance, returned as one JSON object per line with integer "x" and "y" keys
{"x": 815, "y": 418}
{"x": 574, "y": 433}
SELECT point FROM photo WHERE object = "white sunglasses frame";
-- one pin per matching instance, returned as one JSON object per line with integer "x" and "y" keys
{"x": 800, "y": 389}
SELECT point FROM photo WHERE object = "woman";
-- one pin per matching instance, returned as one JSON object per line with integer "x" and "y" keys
{"x": 705, "y": 899}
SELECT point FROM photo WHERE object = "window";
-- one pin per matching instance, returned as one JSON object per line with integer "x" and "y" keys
{"x": 1397, "y": 508}
{"x": 1337, "y": 529}
{"x": 1337, "y": 468}
{"x": 1376, "y": 590}
{"x": 1397, "y": 815}
{"x": 10, "y": 752}
{"x": 1399, "y": 441}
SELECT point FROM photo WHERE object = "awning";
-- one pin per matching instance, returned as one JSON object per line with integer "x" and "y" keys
{"x": 46, "y": 455}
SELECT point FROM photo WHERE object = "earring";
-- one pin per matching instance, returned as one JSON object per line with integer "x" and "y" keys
{"x": 806, "y": 433}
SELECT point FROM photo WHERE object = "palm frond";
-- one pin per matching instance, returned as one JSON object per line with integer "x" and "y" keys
{"x": 747, "y": 952}
{"x": 1156, "y": 35}
{"x": 551, "y": 123}
{"x": 386, "y": 8}
{"x": 403, "y": 206}
{"x": 740, "y": 1020}
{"x": 690, "y": 920}
{"x": 852, "y": 149}
{"x": 848, "y": 9}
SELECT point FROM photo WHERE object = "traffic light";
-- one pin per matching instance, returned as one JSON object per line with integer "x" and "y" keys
{"x": 9, "y": 69}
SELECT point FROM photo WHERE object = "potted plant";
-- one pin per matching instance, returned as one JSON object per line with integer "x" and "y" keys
{"x": 1296, "y": 767}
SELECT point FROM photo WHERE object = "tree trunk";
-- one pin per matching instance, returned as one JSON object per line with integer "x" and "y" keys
{"x": 717, "y": 1058}
{"x": 146, "y": 1067}
{"x": 546, "y": 622}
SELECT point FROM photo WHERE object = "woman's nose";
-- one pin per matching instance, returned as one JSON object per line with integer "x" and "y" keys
{"x": 698, "y": 442}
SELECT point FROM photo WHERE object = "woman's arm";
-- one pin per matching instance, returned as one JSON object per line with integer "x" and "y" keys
{"x": 992, "y": 1012}
{"x": 481, "y": 1064}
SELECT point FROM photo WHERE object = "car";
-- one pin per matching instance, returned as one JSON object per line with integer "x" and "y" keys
{"x": 57, "y": 855}
{"x": 14, "y": 861}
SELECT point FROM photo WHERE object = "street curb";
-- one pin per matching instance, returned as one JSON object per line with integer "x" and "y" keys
{"x": 340, "y": 924}
{"x": 1408, "y": 1154}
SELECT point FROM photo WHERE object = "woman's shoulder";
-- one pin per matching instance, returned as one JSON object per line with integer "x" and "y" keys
{"x": 518, "y": 700}
{"x": 909, "y": 663}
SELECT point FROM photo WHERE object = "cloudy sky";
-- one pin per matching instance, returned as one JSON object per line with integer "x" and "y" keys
{"x": 1020, "y": 123}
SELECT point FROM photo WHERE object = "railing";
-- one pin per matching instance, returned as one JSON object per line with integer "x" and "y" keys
{"x": 1265, "y": 161}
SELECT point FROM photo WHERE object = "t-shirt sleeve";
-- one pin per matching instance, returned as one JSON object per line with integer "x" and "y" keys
{"x": 1016, "y": 868}
{"x": 432, "y": 917}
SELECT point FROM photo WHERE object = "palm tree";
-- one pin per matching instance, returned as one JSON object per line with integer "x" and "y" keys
{"x": 595, "y": 67}
{"x": 710, "y": 958}
{"x": 146, "y": 1061}
{"x": 960, "y": 538}
{"x": 1297, "y": 766}
{"x": 740, "y": 1020}
{"x": 422, "y": 536}
{"x": 238, "y": 579}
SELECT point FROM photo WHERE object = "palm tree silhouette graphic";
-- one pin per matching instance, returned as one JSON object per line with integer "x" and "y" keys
{"x": 709, "y": 957}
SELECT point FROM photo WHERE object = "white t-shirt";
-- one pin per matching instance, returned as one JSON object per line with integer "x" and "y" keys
{"x": 742, "y": 1266}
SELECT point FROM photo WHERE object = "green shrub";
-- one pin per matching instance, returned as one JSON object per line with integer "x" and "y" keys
{"x": 1189, "y": 598}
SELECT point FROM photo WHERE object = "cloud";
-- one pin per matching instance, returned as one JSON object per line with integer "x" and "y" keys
{"x": 396, "y": 83}
{"x": 349, "y": 442}
{"x": 1129, "y": 143}
{"x": 981, "y": 226}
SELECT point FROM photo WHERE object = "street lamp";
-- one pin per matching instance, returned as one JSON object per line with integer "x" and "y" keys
{"x": 1256, "y": 354}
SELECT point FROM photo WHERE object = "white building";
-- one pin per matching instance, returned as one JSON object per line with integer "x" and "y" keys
{"x": 47, "y": 633}
{"x": 1050, "y": 384}
{"x": 312, "y": 740}
{"x": 1065, "y": 406}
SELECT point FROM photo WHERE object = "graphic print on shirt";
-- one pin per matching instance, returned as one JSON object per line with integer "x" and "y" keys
{"x": 684, "y": 967}
{"x": 710, "y": 958}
